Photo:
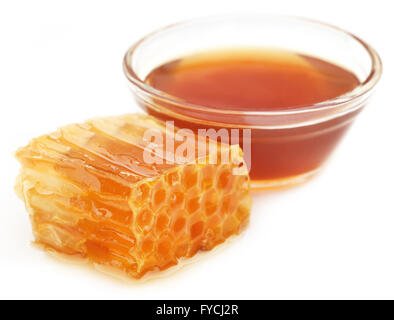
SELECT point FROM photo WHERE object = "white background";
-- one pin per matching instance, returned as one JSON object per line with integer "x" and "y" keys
{"x": 60, "y": 62}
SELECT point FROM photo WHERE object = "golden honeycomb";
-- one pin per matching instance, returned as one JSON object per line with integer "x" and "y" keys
{"x": 90, "y": 193}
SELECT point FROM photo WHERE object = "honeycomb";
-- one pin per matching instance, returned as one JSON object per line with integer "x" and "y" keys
{"x": 90, "y": 193}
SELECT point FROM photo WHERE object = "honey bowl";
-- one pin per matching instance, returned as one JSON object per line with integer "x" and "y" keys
{"x": 290, "y": 86}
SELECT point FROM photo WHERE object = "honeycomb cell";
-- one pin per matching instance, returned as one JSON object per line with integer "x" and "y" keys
{"x": 147, "y": 245}
{"x": 181, "y": 250}
{"x": 164, "y": 249}
{"x": 228, "y": 205}
{"x": 210, "y": 202}
{"x": 142, "y": 193}
{"x": 159, "y": 198}
{"x": 144, "y": 220}
{"x": 190, "y": 177}
{"x": 90, "y": 192}
{"x": 179, "y": 224}
{"x": 177, "y": 197}
{"x": 193, "y": 205}
{"x": 172, "y": 179}
{"x": 208, "y": 174}
{"x": 225, "y": 179}
{"x": 162, "y": 223}
{"x": 196, "y": 229}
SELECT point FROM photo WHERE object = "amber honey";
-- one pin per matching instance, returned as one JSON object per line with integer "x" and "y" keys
{"x": 256, "y": 80}
{"x": 90, "y": 194}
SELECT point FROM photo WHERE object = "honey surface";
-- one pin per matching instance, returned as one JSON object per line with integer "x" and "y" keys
{"x": 90, "y": 192}
{"x": 252, "y": 79}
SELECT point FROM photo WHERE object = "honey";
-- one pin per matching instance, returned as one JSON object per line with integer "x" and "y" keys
{"x": 259, "y": 80}
{"x": 90, "y": 194}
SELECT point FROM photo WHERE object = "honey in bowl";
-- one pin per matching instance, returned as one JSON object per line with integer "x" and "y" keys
{"x": 250, "y": 80}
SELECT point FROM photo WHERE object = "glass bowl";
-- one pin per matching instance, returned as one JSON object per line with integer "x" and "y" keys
{"x": 286, "y": 146}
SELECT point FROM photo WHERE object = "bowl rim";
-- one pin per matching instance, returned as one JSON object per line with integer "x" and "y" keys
{"x": 361, "y": 90}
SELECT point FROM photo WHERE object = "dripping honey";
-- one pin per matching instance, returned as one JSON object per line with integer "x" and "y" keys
{"x": 261, "y": 80}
